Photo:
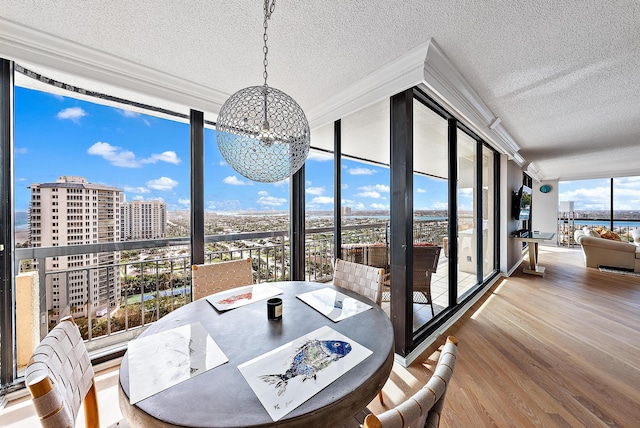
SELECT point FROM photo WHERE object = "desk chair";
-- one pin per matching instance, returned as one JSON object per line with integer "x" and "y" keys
{"x": 363, "y": 279}
{"x": 424, "y": 408}
{"x": 60, "y": 378}
{"x": 210, "y": 279}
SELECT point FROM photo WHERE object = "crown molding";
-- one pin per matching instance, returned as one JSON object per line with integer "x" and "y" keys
{"x": 443, "y": 79}
{"x": 428, "y": 67}
{"x": 25, "y": 44}
{"x": 402, "y": 73}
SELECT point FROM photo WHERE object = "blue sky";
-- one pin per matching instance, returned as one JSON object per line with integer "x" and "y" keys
{"x": 595, "y": 194}
{"x": 148, "y": 158}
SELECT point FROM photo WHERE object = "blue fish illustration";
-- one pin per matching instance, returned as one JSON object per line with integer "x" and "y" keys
{"x": 309, "y": 359}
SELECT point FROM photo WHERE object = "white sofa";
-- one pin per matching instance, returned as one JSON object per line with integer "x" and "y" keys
{"x": 605, "y": 252}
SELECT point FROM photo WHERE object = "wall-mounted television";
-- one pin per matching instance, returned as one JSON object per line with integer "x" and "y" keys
{"x": 522, "y": 203}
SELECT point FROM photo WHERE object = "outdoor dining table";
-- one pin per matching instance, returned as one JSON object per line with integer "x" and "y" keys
{"x": 221, "y": 397}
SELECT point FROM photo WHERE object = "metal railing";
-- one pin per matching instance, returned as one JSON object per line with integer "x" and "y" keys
{"x": 119, "y": 298}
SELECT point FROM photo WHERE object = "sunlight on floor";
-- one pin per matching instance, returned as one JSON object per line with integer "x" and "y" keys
{"x": 20, "y": 412}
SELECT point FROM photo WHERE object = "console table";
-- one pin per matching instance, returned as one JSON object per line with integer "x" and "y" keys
{"x": 534, "y": 239}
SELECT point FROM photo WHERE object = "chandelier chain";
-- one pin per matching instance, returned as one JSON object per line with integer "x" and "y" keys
{"x": 269, "y": 7}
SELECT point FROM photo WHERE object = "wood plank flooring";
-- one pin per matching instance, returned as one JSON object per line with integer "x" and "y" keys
{"x": 561, "y": 350}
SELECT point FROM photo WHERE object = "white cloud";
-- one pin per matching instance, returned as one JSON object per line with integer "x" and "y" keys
{"x": 131, "y": 189}
{"x": 117, "y": 156}
{"x": 20, "y": 151}
{"x": 222, "y": 163}
{"x": 185, "y": 202}
{"x": 235, "y": 181}
{"x": 353, "y": 204}
{"x": 74, "y": 114}
{"x": 323, "y": 200}
{"x": 440, "y": 206}
{"x": 315, "y": 190}
{"x": 224, "y": 206}
{"x": 379, "y": 206}
{"x": 128, "y": 113}
{"x": 284, "y": 182}
{"x": 138, "y": 198}
{"x": 162, "y": 183}
{"x": 361, "y": 171}
{"x": 370, "y": 194}
{"x": 467, "y": 192}
{"x": 345, "y": 186}
{"x": 419, "y": 190}
{"x": 319, "y": 156}
{"x": 375, "y": 188}
{"x": 271, "y": 201}
{"x": 263, "y": 193}
{"x": 168, "y": 156}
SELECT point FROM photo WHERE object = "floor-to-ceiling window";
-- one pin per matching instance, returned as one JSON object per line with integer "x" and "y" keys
{"x": 431, "y": 214}
{"x": 602, "y": 203}
{"x": 93, "y": 171}
{"x": 488, "y": 189}
{"x": 365, "y": 188}
{"x": 468, "y": 228}
{"x": 626, "y": 206}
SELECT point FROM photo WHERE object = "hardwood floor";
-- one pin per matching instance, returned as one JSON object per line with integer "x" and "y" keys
{"x": 561, "y": 350}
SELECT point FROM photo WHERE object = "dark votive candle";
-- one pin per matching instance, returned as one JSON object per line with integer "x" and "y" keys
{"x": 274, "y": 308}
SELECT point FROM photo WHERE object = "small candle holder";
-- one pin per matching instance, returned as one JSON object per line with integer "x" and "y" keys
{"x": 274, "y": 309}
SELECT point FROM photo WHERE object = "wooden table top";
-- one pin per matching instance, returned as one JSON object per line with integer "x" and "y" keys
{"x": 222, "y": 398}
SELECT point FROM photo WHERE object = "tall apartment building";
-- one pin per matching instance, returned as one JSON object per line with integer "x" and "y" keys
{"x": 142, "y": 219}
{"x": 69, "y": 212}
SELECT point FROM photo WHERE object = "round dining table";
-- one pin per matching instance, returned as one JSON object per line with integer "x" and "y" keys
{"x": 221, "y": 397}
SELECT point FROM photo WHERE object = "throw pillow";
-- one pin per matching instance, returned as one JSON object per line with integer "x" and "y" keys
{"x": 608, "y": 234}
{"x": 590, "y": 232}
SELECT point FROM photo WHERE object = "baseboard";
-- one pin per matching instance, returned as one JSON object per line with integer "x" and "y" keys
{"x": 436, "y": 335}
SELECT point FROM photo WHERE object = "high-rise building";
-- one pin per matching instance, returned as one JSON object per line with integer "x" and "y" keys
{"x": 142, "y": 219}
{"x": 72, "y": 211}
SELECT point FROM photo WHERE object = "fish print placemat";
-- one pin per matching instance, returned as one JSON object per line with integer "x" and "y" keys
{"x": 240, "y": 296}
{"x": 162, "y": 360}
{"x": 288, "y": 376}
{"x": 333, "y": 304}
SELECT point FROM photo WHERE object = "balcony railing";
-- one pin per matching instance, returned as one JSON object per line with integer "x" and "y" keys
{"x": 117, "y": 299}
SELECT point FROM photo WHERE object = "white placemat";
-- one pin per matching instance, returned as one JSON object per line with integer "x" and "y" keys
{"x": 333, "y": 304}
{"x": 162, "y": 360}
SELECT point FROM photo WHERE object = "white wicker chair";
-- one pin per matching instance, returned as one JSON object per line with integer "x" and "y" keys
{"x": 424, "y": 408}
{"x": 60, "y": 378}
{"x": 364, "y": 280}
{"x": 216, "y": 277}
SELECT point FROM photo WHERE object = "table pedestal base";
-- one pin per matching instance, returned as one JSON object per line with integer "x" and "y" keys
{"x": 537, "y": 271}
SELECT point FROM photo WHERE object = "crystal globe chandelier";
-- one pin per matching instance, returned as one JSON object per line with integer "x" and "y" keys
{"x": 262, "y": 133}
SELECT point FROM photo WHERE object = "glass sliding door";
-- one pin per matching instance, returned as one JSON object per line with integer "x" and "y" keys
{"x": 319, "y": 202}
{"x": 488, "y": 211}
{"x": 430, "y": 215}
{"x": 468, "y": 227}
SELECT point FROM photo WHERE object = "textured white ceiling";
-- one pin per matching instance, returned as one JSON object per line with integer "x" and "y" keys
{"x": 562, "y": 75}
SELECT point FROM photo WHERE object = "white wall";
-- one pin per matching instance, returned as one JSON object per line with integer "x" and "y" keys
{"x": 510, "y": 250}
{"x": 544, "y": 216}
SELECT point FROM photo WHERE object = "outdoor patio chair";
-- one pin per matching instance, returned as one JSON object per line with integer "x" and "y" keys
{"x": 216, "y": 277}
{"x": 363, "y": 279}
{"x": 60, "y": 378}
{"x": 424, "y": 408}
{"x": 425, "y": 264}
